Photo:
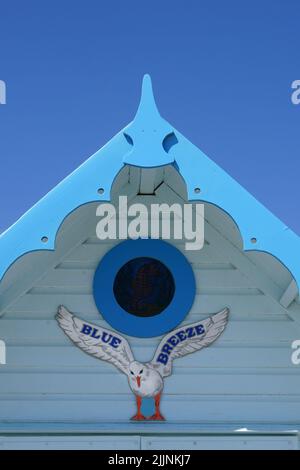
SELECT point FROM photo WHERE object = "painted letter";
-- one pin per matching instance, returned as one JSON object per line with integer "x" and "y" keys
{"x": 86, "y": 329}
{"x": 173, "y": 340}
{"x": 95, "y": 331}
{"x": 115, "y": 342}
{"x": 104, "y": 338}
{"x": 163, "y": 358}
{"x": 200, "y": 329}
{"x": 167, "y": 348}
{"x": 181, "y": 335}
{"x": 190, "y": 332}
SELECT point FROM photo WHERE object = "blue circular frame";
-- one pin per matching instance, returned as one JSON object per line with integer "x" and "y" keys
{"x": 144, "y": 327}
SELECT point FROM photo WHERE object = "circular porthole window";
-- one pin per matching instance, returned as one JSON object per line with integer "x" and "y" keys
{"x": 144, "y": 287}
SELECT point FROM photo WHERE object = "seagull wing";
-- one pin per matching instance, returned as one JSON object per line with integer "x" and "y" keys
{"x": 188, "y": 339}
{"x": 96, "y": 341}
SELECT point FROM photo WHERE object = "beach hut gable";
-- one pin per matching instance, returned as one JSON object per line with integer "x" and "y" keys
{"x": 150, "y": 142}
{"x": 248, "y": 264}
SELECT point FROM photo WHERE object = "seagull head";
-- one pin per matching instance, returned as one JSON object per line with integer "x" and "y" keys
{"x": 137, "y": 371}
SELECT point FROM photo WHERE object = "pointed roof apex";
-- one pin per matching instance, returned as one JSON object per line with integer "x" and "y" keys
{"x": 147, "y": 106}
{"x": 147, "y": 133}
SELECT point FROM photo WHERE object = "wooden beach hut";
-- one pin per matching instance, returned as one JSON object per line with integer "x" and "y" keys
{"x": 240, "y": 392}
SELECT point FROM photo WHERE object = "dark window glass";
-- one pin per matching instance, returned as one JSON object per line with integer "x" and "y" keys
{"x": 144, "y": 287}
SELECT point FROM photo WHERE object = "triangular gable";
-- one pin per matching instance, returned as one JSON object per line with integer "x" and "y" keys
{"x": 150, "y": 141}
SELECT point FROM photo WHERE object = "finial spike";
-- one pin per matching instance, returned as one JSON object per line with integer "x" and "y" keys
{"x": 147, "y": 84}
{"x": 147, "y": 103}
{"x": 146, "y": 133}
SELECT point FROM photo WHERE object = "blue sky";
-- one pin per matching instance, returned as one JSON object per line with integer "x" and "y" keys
{"x": 221, "y": 70}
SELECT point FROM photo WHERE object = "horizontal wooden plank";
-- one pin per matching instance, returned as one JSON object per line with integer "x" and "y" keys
{"x": 219, "y": 443}
{"x": 71, "y": 357}
{"x": 202, "y": 264}
{"x": 82, "y": 279}
{"x": 69, "y": 443}
{"x": 238, "y": 303}
{"x": 90, "y": 254}
{"x": 154, "y": 428}
{"x": 218, "y": 382}
{"x": 87, "y": 290}
{"x": 48, "y": 332}
{"x": 119, "y": 408}
{"x": 209, "y": 265}
{"x": 84, "y": 304}
{"x": 95, "y": 316}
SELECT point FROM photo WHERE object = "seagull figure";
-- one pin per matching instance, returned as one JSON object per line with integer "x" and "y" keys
{"x": 145, "y": 379}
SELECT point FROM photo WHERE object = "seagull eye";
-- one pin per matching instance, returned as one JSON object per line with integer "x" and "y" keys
{"x": 132, "y": 373}
{"x": 141, "y": 371}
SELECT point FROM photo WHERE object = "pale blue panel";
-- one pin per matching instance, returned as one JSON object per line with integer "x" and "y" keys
{"x": 220, "y": 443}
{"x": 47, "y": 332}
{"x": 240, "y": 411}
{"x": 148, "y": 443}
{"x": 260, "y": 358}
{"x": 44, "y": 305}
{"x": 69, "y": 443}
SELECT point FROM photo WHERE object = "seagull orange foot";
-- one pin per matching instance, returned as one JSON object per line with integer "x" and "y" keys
{"x": 138, "y": 417}
{"x": 156, "y": 417}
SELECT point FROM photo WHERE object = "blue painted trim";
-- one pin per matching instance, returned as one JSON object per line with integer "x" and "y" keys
{"x": 146, "y": 327}
{"x": 141, "y": 144}
{"x": 79, "y": 188}
{"x": 147, "y": 133}
{"x": 253, "y": 219}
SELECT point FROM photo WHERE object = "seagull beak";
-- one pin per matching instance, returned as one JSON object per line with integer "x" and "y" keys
{"x": 138, "y": 380}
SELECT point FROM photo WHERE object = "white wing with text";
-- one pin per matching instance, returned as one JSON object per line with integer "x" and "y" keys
{"x": 95, "y": 340}
{"x": 188, "y": 339}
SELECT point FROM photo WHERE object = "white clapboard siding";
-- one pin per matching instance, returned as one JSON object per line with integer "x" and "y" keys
{"x": 69, "y": 358}
{"x": 90, "y": 253}
{"x": 99, "y": 408}
{"x": 69, "y": 443}
{"x": 47, "y": 332}
{"x": 82, "y": 279}
{"x": 220, "y": 442}
{"x": 183, "y": 382}
{"x": 284, "y": 442}
{"x": 247, "y": 376}
{"x": 45, "y": 305}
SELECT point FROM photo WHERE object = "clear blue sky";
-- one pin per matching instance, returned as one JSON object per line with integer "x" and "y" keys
{"x": 221, "y": 70}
